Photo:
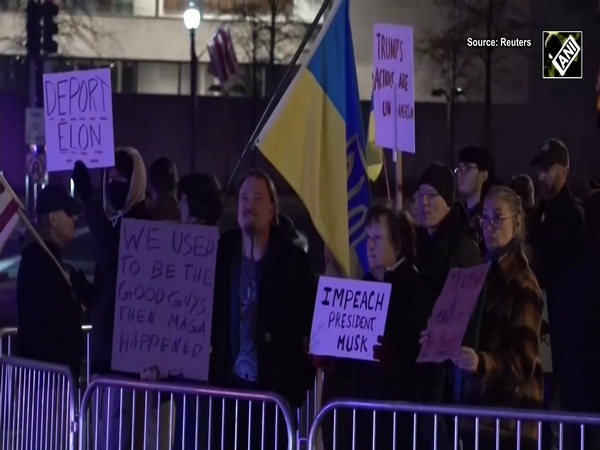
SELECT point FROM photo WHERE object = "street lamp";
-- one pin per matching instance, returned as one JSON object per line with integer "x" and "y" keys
{"x": 450, "y": 97}
{"x": 191, "y": 20}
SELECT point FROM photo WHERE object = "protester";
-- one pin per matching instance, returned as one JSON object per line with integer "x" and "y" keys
{"x": 506, "y": 368}
{"x": 265, "y": 292}
{"x": 523, "y": 185}
{"x": 391, "y": 252}
{"x": 50, "y": 307}
{"x": 200, "y": 199}
{"x": 445, "y": 240}
{"x": 474, "y": 175}
{"x": 200, "y": 202}
{"x": 558, "y": 240}
{"x": 124, "y": 188}
{"x": 162, "y": 181}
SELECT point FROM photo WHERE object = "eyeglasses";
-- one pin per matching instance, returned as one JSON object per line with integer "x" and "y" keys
{"x": 495, "y": 221}
{"x": 465, "y": 169}
{"x": 430, "y": 195}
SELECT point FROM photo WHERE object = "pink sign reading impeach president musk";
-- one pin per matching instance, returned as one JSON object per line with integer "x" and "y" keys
{"x": 452, "y": 312}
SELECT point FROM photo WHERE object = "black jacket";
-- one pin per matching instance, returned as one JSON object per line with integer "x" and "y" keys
{"x": 49, "y": 310}
{"x": 106, "y": 238}
{"x": 558, "y": 237}
{"x": 286, "y": 296}
{"x": 395, "y": 377}
{"x": 454, "y": 244}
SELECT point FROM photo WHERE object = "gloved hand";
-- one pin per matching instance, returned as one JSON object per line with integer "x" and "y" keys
{"x": 83, "y": 182}
{"x": 381, "y": 350}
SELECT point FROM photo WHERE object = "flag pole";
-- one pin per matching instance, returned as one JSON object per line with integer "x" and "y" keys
{"x": 279, "y": 91}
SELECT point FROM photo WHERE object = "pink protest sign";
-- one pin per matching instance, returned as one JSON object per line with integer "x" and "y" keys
{"x": 393, "y": 88}
{"x": 452, "y": 312}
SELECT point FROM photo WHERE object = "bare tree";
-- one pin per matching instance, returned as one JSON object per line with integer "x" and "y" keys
{"x": 446, "y": 47}
{"x": 494, "y": 20}
{"x": 270, "y": 37}
{"x": 75, "y": 24}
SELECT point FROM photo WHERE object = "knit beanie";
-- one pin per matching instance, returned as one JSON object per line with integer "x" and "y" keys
{"x": 442, "y": 180}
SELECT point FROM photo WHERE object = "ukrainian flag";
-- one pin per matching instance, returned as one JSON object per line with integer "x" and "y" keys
{"x": 374, "y": 153}
{"x": 315, "y": 139}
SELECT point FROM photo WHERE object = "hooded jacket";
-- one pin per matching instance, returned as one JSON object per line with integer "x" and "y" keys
{"x": 106, "y": 237}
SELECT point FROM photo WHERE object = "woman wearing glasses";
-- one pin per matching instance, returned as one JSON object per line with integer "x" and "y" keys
{"x": 506, "y": 369}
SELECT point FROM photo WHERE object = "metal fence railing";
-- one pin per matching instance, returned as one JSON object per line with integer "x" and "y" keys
{"x": 364, "y": 425}
{"x": 38, "y": 405}
{"x": 304, "y": 415}
{"x": 39, "y": 410}
{"x": 8, "y": 341}
{"x": 120, "y": 413}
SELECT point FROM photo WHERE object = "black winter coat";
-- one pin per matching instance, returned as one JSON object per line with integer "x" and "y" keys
{"x": 454, "y": 244}
{"x": 287, "y": 287}
{"x": 49, "y": 310}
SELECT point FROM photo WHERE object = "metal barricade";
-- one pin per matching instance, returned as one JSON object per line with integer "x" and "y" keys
{"x": 450, "y": 427}
{"x": 8, "y": 347}
{"x": 38, "y": 405}
{"x": 132, "y": 414}
{"x": 308, "y": 412}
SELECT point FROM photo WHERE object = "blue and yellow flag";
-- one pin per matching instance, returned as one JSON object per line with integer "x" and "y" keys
{"x": 315, "y": 139}
{"x": 374, "y": 153}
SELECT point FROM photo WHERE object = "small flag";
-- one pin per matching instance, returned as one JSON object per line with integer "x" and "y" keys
{"x": 9, "y": 208}
{"x": 223, "y": 61}
{"x": 374, "y": 154}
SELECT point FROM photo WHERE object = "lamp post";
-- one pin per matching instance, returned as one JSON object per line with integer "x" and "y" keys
{"x": 191, "y": 20}
{"x": 450, "y": 97}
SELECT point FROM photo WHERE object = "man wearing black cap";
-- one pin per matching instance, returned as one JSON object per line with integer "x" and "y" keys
{"x": 559, "y": 227}
{"x": 474, "y": 175}
{"x": 49, "y": 308}
{"x": 558, "y": 241}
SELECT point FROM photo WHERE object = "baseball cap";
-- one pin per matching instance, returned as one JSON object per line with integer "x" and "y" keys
{"x": 55, "y": 198}
{"x": 554, "y": 151}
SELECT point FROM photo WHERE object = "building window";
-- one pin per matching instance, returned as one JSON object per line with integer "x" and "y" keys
{"x": 217, "y": 7}
{"x": 158, "y": 78}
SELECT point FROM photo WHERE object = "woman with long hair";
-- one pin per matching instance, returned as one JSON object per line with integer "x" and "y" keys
{"x": 505, "y": 370}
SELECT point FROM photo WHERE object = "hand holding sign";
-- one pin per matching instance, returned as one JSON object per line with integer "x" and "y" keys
{"x": 451, "y": 314}
{"x": 467, "y": 359}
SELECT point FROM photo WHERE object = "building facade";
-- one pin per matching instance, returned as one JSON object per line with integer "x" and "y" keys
{"x": 146, "y": 43}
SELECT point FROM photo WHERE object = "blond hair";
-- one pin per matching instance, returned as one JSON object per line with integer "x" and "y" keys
{"x": 515, "y": 205}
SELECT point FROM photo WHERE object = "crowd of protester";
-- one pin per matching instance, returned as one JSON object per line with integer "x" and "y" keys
{"x": 542, "y": 255}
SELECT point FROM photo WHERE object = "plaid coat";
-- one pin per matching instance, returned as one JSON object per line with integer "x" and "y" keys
{"x": 510, "y": 370}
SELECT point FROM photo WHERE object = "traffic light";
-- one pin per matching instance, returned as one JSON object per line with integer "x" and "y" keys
{"x": 34, "y": 28}
{"x": 49, "y": 13}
